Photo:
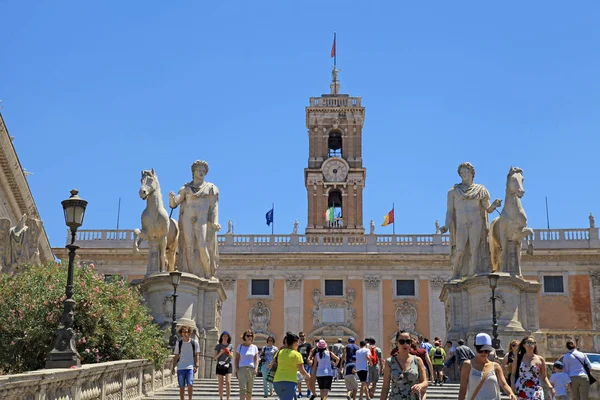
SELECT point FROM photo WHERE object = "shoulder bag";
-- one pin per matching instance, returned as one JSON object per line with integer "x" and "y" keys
{"x": 484, "y": 374}
{"x": 271, "y": 373}
{"x": 587, "y": 370}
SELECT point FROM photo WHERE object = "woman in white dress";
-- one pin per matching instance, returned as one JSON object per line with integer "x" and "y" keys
{"x": 480, "y": 378}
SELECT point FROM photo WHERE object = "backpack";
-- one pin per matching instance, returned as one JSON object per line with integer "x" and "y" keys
{"x": 438, "y": 354}
{"x": 373, "y": 356}
{"x": 193, "y": 347}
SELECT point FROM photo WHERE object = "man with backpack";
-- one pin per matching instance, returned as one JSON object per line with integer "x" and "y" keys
{"x": 375, "y": 366}
{"x": 437, "y": 355}
{"x": 186, "y": 359}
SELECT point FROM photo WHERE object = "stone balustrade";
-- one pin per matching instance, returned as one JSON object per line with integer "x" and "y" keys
{"x": 126, "y": 380}
{"x": 583, "y": 238}
{"x": 335, "y": 101}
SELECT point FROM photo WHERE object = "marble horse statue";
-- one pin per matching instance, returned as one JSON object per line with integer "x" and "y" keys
{"x": 161, "y": 232}
{"x": 509, "y": 229}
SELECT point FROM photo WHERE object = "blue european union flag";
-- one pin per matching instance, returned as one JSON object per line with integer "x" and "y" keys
{"x": 269, "y": 216}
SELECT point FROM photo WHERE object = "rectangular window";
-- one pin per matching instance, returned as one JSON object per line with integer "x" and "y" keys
{"x": 260, "y": 287}
{"x": 405, "y": 287}
{"x": 553, "y": 284}
{"x": 334, "y": 287}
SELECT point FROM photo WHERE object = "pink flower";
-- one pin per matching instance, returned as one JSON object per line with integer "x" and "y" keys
{"x": 12, "y": 343}
{"x": 87, "y": 350}
{"x": 138, "y": 328}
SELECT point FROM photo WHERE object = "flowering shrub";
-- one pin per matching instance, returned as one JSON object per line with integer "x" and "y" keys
{"x": 110, "y": 321}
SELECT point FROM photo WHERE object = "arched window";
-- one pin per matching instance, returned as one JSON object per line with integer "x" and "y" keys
{"x": 333, "y": 215}
{"x": 334, "y": 144}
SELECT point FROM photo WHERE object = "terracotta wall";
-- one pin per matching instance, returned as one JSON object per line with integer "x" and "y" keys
{"x": 390, "y": 326}
{"x": 567, "y": 312}
{"x": 312, "y": 284}
{"x": 357, "y": 285}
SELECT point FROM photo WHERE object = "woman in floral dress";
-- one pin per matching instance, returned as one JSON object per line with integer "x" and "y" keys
{"x": 404, "y": 376}
{"x": 528, "y": 372}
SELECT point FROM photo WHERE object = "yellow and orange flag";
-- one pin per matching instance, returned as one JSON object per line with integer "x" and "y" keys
{"x": 388, "y": 218}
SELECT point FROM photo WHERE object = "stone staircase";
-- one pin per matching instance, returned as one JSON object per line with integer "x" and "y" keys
{"x": 209, "y": 389}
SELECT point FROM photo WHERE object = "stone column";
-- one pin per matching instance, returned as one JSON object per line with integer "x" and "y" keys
{"x": 595, "y": 298}
{"x": 293, "y": 304}
{"x": 437, "y": 315}
{"x": 373, "y": 308}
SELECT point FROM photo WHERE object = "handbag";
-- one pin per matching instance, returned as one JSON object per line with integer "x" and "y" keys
{"x": 223, "y": 366}
{"x": 271, "y": 373}
{"x": 587, "y": 371}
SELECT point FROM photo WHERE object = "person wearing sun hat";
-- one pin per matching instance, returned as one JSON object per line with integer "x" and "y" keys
{"x": 480, "y": 378}
{"x": 322, "y": 365}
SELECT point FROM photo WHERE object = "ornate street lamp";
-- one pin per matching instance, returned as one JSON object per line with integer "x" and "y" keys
{"x": 175, "y": 278}
{"x": 495, "y": 341}
{"x": 64, "y": 354}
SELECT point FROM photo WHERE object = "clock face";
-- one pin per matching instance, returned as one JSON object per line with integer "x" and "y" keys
{"x": 335, "y": 170}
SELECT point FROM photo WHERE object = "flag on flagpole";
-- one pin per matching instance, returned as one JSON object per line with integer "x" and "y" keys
{"x": 388, "y": 218}
{"x": 333, "y": 48}
{"x": 269, "y": 216}
{"x": 329, "y": 217}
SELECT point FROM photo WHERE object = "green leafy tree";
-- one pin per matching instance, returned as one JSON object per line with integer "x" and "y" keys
{"x": 111, "y": 322}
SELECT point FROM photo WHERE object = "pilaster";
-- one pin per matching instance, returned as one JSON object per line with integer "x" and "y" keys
{"x": 373, "y": 307}
{"x": 293, "y": 301}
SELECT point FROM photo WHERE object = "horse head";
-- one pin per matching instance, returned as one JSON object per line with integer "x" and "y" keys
{"x": 514, "y": 182}
{"x": 149, "y": 183}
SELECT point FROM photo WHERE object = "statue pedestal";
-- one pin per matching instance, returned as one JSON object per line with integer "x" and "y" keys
{"x": 468, "y": 308}
{"x": 199, "y": 305}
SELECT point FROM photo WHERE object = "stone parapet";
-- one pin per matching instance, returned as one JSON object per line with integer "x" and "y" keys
{"x": 126, "y": 379}
{"x": 543, "y": 239}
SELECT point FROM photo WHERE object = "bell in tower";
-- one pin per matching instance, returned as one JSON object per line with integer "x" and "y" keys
{"x": 335, "y": 176}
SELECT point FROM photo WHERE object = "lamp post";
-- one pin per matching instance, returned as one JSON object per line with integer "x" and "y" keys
{"x": 495, "y": 341}
{"x": 64, "y": 354}
{"x": 175, "y": 278}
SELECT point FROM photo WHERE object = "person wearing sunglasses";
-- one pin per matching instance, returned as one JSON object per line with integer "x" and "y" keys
{"x": 480, "y": 378}
{"x": 246, "y": 364}
{"x": 404, "y": 376}
{"x": 529, "y": 371}
{"x": 507, "y": 362}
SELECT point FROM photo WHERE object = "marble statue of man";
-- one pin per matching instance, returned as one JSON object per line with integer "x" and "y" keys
{"x": 592, "y": 221}
{"x": 198, "y": 223}
{"x": 467, "y": 220}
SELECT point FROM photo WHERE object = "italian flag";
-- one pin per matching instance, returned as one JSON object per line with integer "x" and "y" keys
{"x": 329, "y": 215}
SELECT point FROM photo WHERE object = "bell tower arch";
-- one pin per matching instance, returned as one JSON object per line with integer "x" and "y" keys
{"x": 335, "y": 176}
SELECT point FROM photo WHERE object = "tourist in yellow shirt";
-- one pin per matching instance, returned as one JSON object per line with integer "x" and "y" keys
{"x": 437, "y": 355}
{"x": 289, "y": 362}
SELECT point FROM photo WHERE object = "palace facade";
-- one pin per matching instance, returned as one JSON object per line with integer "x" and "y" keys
{"x": 336, "y": 280}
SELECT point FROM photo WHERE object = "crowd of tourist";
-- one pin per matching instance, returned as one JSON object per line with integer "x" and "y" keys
{"x": 298, "y": 367}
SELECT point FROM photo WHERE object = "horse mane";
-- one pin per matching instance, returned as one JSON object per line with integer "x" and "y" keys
{"x": 514, "y": 170}
{"x": 151, "y": 173}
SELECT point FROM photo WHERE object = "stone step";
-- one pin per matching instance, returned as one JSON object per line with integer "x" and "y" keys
{"x": 209, "y": 389}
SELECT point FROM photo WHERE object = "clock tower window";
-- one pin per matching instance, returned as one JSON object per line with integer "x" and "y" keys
{"x": 334, "y": 203}
{"x": 334, "y": 144}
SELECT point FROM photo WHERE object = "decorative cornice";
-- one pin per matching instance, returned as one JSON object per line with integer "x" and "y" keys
{"x": 228, "y": 281}
{"x": 436, "y": 282}
{"x": 293, "y": 282}
{"x": 595, "y": 277}
{"x": 372, "y": 281}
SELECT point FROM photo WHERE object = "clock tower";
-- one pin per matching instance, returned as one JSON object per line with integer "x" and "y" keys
{"x": 335, "y": 177}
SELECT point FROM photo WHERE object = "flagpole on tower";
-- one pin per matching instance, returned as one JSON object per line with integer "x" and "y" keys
{"x": 334, "y": 50}
{"x": 273, "y": 223}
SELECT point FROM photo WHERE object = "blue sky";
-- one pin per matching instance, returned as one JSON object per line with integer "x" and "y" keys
{"x": 94, "y": 92}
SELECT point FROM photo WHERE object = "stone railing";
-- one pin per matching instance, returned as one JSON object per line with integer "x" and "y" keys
{"x": 335, "y": 101}
{"x": 338, "y": 242}
{"x": 555, "y": 339}
{"x": 126, "y": 380}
